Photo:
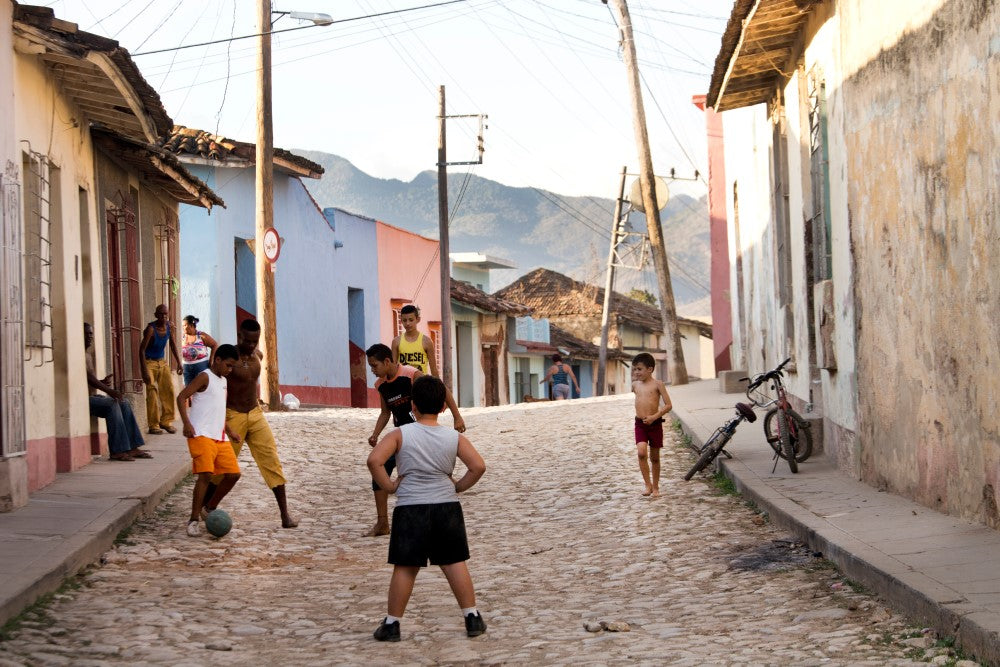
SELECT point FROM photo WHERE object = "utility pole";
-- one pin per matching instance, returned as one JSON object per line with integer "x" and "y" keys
{"x": 266, "y": 312}
{"x": 609, "y": 286}
{"x": 676, "y": 369}
{"x": 445, "y": 260}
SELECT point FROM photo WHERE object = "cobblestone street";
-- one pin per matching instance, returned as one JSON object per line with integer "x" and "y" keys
{"x": 560, "y": 538}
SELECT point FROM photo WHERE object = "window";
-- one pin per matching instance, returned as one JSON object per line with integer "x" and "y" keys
{"x": 819, "y": 171}
{"x": 123, "y": 293}
{"x": 779, "y": 204}
{"x": 167, "y": 271}
{"x": 11, "y": 341}
{"x": 397, "y": 319}
{"x": 37, "y": 201}
{"x": 434, "y": 328}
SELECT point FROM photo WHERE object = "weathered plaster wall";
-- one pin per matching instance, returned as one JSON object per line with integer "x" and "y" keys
{"x": 56, "y": 406}
{"x": 758, "y": 334}
{"x": 922, "y": 112}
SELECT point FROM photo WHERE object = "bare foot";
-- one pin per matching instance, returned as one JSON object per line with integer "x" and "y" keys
{"x": 289, "y": 522}
{"x": 380, "y": 528}
{"x": 648, "y": 490}
{"x": 656, "y": 493}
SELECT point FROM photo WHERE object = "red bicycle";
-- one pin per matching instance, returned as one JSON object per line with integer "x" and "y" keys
{"x": 788, "y": 434}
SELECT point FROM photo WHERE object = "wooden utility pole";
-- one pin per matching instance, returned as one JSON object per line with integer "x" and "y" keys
{"x": 445, "y": 261}
{"x": 609, "y": 286}
{"x": 676, "y": 369}
{"x": 266, "y": 313}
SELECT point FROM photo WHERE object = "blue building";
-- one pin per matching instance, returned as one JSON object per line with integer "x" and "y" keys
{"x": 326, "y": 282}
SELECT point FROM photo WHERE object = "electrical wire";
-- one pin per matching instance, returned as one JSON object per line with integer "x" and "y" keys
{"x": 302, "y": 27}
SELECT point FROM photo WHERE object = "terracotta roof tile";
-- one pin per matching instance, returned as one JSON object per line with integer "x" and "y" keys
{"x": 465, "y": 293}
{"x": 551, "y": 294}
{"x": 190, "y": 141}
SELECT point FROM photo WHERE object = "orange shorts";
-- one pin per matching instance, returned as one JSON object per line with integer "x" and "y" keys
{"x": 214, "y": 456}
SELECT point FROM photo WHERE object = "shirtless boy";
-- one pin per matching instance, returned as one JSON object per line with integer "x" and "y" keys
{"x": 649, "y": 419}
{"x": 413, "y": 348}
{"x": 246, "y": 421}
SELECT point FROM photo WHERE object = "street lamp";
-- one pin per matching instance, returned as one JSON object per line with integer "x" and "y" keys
{"x": 266, "y": 310}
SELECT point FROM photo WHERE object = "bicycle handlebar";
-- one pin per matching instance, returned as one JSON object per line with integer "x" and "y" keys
{"x": 761, "y": 378}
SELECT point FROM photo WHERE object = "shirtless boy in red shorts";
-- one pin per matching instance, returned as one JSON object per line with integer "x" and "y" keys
{"x": 649, "y": 419}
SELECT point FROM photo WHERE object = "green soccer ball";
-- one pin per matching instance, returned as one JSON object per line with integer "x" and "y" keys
{"x": 218, "y": 522}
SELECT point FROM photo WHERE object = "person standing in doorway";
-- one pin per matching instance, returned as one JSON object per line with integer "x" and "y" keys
{"x": 561, "y": 374}
{"x": 156, "y": 371}
{"x": 198, "y": 349}
{"x": 412, "y": 348}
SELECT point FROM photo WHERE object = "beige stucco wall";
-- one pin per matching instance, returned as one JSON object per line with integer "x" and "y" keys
{"x": 56, "y": 391}
{"x": 922, "y": 121}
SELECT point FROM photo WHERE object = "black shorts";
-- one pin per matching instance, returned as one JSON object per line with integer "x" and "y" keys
{"x": 428, "y": 532}
{"x": 390, "y": 465}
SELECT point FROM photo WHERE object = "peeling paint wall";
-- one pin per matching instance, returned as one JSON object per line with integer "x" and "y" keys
{"x": 921, "y": 127}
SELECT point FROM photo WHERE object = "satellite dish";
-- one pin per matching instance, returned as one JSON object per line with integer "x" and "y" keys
{"x": 662, "y": 194}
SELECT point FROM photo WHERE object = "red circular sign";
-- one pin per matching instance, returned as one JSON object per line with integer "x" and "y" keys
{"x": 272, "y": 245}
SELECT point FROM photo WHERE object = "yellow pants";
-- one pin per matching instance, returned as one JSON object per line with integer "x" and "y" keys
{"x": 253, "y": 429}
{"x": 159, "y": 394}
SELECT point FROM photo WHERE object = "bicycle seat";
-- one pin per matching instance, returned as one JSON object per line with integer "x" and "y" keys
{"x": 746, "y": 412}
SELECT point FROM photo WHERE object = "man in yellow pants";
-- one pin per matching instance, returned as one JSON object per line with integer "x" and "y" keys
{"x": 246, "y": 421}
{"x": 156, "y": 371}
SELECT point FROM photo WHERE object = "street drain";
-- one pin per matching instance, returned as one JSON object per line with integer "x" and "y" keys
{"x": 773, "y": 556}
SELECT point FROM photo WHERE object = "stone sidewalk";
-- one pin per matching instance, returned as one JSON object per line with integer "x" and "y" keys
{"x": 71, "y": 522}
{"x": 934, "y": 567}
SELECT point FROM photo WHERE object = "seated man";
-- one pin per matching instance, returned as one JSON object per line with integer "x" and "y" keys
{"x": 124, "y": 436}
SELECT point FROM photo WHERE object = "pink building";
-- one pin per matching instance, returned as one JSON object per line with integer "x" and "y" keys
{"x": 408, "y": 272}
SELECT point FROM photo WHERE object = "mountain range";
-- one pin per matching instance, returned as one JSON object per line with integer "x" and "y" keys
{"x": 529, "y": 226}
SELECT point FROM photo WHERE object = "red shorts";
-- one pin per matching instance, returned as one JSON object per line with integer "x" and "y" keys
{"x": 653, "y": 433}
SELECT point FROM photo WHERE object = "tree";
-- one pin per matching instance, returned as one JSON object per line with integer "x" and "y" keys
{"x": 643, "y": 296}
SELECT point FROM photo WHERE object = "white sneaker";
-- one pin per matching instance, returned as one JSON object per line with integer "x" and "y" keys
{"x": 194, "y": 528}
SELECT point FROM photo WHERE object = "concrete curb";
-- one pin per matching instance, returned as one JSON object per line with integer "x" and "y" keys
{"x": 45, "y": 558}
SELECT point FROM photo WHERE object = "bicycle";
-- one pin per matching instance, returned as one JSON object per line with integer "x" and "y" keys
{"x": 721, "y": 437}
{"x": 795, "y": 438}
{"x": 788, "y": 434}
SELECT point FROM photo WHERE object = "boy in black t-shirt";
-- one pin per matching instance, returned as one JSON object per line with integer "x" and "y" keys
{"x": 394, "y": 385}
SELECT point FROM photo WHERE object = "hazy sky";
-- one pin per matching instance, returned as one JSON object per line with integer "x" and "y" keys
{"x": 547, "y": 72}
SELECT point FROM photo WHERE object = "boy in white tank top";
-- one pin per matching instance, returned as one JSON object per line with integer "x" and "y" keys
{"x": 207, "y": 434}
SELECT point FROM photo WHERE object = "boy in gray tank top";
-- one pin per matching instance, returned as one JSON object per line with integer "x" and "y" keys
{"x": 427, "y": 522}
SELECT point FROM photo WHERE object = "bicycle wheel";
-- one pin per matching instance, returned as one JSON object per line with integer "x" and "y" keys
{"x": 709, "y": 452}
{"x": 799, "y": 431}
{"x": 786, "y": 441}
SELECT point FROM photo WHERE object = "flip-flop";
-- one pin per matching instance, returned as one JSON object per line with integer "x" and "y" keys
{"x": 123, "y": 457}
{"x": 140, "y": 454}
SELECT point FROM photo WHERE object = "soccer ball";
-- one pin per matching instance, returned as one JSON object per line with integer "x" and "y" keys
{"x": 218, "y": 522}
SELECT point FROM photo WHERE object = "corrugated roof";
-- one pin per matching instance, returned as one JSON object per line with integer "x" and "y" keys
{"x": 95, "y": 72}
{"x": 757, "y": 46}
{"x": 199, "y": 143}
{"x": 468, "y": 295}
{"x": 551, "y": 294}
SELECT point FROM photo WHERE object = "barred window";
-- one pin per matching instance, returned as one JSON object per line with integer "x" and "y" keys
{"x": 37, "y": 201}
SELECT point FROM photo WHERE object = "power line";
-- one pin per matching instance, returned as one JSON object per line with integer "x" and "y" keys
{"x": 301, "y": 27}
